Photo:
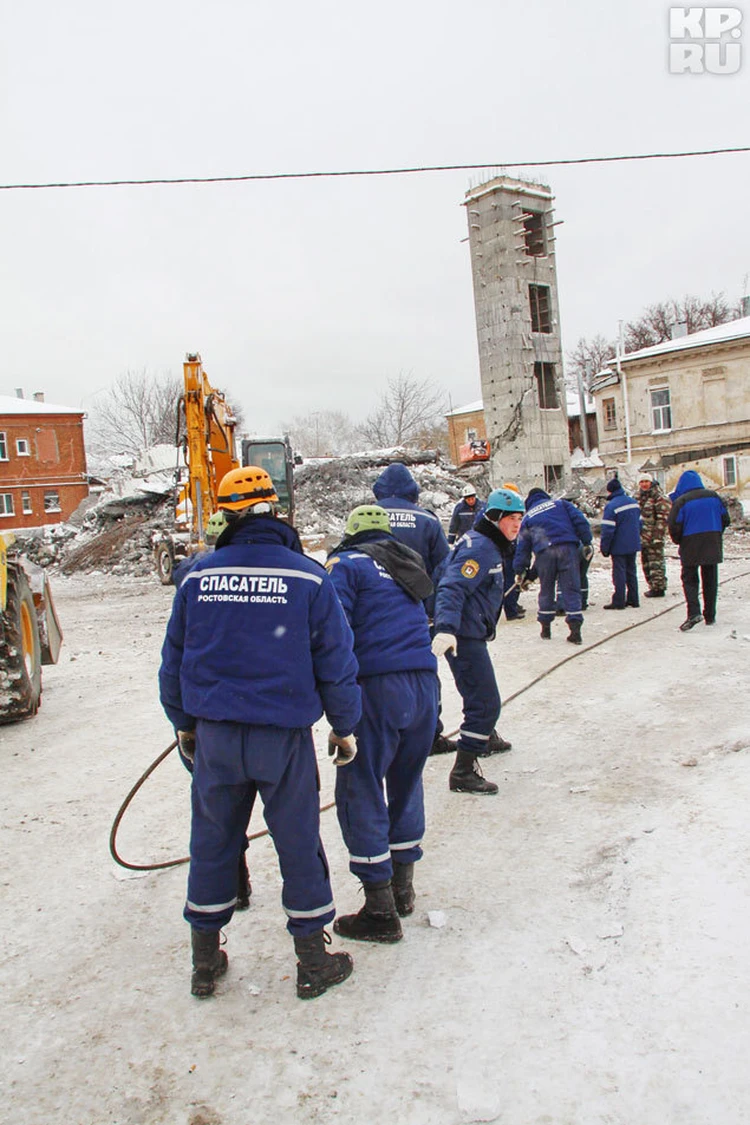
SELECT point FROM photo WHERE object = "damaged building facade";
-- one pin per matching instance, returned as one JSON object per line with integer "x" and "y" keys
{"x": 512, "y": 243}
{"x": 682, "y": 404}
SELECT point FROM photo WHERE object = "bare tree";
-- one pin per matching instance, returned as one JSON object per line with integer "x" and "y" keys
{"x": 138, "y": 411}
{"x": 408, "y": 410}
{"x": 588, "y": 357}
{"x": 654, "y": 325}
{"x": 322, "y": 433}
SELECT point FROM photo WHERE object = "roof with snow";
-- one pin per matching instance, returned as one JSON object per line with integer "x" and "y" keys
{"x": 11, "y": 404}
{"x": 471, "y": 408}
{"x": 709, "y": 337}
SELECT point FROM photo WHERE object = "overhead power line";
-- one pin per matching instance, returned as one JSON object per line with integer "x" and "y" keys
{"x": 253, "y": 176}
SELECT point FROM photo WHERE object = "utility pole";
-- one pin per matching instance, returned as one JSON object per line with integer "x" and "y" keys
{"x": 582, "y": 408}
{"x": 624, "y": 384}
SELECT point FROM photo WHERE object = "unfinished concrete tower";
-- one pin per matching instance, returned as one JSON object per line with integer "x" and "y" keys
{"x": 511, "y": 236}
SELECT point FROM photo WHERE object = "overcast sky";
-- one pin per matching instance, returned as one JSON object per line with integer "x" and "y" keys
{"x": 308, "y": 295}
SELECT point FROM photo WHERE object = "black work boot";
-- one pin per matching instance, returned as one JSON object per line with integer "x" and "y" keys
{"x": 466, "y": 776}
{"x": 495, "y": 745}
{"x": 574, "y": 636}
{"x": 244, "y": 886}
{"x": 378, "y": 918}
{"x": 209, "y": 962}
{"x": 317, "y": 971}
{"x": 443, "y": 745}
{"x": 403, "y": 888}
{"x": 546, "y": 631}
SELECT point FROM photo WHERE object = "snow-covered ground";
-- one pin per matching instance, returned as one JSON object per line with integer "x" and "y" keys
{"x": 592, "y": 967}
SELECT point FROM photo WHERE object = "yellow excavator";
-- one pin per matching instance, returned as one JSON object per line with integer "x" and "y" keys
{"x": 207, "y": 450}
{"x": 30, "y": 634}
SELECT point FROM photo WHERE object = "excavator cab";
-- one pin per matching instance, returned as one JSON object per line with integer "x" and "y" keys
{"x": 275, "y": 456}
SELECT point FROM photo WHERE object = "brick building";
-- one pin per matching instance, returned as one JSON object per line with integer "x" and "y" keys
{"x": 465, "y": 424}
{"x": 42, "y": 462}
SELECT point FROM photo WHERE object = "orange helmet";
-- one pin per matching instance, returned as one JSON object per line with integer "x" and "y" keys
{"x": 242, "y": 488}
{"x": 513, "y": 487}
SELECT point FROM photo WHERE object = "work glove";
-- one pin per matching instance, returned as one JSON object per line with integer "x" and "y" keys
{"x": 186, "y": 744}
{"x": 442, "y": 643}
{"x": 588, "y": 552}
{"x": 342, "y": 748}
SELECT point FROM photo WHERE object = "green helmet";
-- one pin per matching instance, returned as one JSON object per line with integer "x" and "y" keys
{"x": 367, "y": 517}
{"x": 215, "y": 525}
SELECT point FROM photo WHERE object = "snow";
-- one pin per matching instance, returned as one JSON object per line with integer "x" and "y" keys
{"x": 720, "y": 334}
{"x": 10, "y": 404}
{"x": 592, "y": 964}
{"x": 579, "y": 460}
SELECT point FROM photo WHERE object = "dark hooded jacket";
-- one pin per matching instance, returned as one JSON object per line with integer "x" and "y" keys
{"x": 257, "y": 635}
{"x": 473, "y": 581}
{"x": 396, "y": 490}
{"x": 548, "y": 523}
{"x": 621, "y": 522}
{"x": 697, "y": 521}
{"x": 380, "y": 584}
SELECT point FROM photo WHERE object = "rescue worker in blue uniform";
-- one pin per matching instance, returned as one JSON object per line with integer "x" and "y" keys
{"x": 257, "y": 649}
{"x": 621, "y": 538}
{"x": 465, "y": 514}
{"x": 396, "y": 490}
{"x": 467, "y": 606}
{"x": 555, "y": 531}
{"x": 697, "y": 522}
{"x": 381, "y": 584}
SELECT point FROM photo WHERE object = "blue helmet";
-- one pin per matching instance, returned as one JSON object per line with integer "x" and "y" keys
{"x": 503, "y": 501}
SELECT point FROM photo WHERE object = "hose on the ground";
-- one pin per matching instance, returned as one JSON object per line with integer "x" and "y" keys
{"x": 331, "y": 804}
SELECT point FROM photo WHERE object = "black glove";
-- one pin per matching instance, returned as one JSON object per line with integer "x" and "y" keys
{"x": 588, "y": 551}
{"x": 186, "y": 744}
{"x": 342, "y": 748}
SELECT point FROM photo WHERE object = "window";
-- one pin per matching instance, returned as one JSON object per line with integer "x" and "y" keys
{"x": 26, "y": 503}
{"x": 547, "y": 386}
{"x": 610, "y": 414}
{"x": 471, "y": 435}
{"x": 22, "y": 448}
{"x": 3, "y": 447}
{"x": 539, "y": 304}
{"x": 553, "y": 477}
{"x": 52, "y": 501}
{"x": 533, "y": 234}
{"x": 661, "y": 409}
{"x": 730, "y": 471}
{"x": 6, "y": 503}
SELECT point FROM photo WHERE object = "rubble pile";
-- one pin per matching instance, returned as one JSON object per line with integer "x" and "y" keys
{"x": 326, "y": 491}
{"x": 117, "y": 534}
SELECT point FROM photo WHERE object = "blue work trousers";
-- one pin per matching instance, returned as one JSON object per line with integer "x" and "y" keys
{"x": 233, "y": 761}
{"x": 625, "y": 580}
{"x": 394, "y": 739}
{"x": 475, "y": 679}
{"x": 559, "y": 566}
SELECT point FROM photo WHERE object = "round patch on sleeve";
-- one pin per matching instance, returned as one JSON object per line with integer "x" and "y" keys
{"x": 470, "y": 569}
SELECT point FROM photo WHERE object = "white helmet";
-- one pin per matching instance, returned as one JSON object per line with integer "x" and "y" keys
{"x": 469, "y": 490}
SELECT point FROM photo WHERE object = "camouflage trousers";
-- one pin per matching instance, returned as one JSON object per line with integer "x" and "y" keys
{"x": 654, "y": 566}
